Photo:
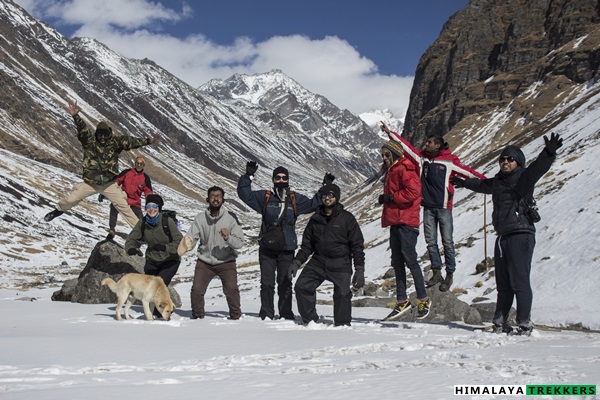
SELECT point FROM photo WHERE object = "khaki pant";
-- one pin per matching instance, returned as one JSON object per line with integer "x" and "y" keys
{"x": 111, "y": 191}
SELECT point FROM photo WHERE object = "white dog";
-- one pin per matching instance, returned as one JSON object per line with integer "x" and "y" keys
{"x": 147, "y": 288}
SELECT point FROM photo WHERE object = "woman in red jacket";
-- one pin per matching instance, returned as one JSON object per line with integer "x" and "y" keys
{"x": 401, "y": 201}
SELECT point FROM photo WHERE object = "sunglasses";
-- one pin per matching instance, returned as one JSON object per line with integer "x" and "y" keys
{"x": 386, "y": 154}
{"x": 151, "y": 206}
{"x": 103, "y": 134}
{"x": 215, "y": 196}
{"x": 327, "y": 196}
{"x": 139, "y": 163}
{"x": 280, "y": 178}
{"x": 509, "y": 159}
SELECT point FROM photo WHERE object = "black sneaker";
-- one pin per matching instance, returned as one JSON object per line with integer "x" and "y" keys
{"x": 423, "y": 307}
{"x": 52, "y": 214}
{"x": 399, "y": 310}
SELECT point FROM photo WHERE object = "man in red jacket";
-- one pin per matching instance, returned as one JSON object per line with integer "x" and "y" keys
{"x": 134, "y": 182}
{"x": 437, "y": 165}
{"x": 401, "y": 201}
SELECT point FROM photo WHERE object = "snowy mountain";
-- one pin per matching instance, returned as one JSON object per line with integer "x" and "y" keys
{"x": 302, "y": 117}
{"x": 59, "y": 349}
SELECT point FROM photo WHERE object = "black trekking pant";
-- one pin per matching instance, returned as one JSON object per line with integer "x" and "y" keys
{"x": 274, "y": 266}
{"x": 310, "y": 279}
{"x": 166, "y": 270}
{"x": 512, "y": 258}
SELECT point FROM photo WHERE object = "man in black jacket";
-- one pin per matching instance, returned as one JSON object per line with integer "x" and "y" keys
{"x": 334, "y": 239}
{"x": 512, "y": 195}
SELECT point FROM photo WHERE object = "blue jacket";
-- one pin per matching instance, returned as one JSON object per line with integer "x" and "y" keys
{"x": 255, "y": 199}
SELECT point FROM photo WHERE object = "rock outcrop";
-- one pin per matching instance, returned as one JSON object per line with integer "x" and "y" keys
{"x": 490, "y": 53}
{"x": 108, "y": 259}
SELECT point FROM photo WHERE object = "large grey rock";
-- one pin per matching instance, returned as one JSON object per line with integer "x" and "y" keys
{"x": 107, "y": 260}
{"x": 445, "y": 307}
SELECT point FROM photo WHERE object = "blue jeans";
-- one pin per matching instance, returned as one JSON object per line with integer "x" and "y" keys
{"x": 431, "y": 218}
{"x": 403, "y": 243}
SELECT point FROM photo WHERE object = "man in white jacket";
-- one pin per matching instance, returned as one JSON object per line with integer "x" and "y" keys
{"x": 220, "y": 235}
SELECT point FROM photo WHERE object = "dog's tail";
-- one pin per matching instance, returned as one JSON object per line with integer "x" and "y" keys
{"x": 112, "y": 285}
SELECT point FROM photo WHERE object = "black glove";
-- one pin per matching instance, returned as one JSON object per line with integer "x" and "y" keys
{"x": 132, "y": 251}
{"x": 159, "y": 247}
{"x": 293, "y": 270}
{"x": 358, "y": 280}
{"x": 457, "y": 182}
{"x": 100, "y": 197}
{"x": 553, "y": 144}
{"x": 385, "y": 198}
{"x": 251, "y": 167}
{"x": 328, "y": 178}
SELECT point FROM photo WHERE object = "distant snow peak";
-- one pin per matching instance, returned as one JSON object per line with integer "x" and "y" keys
{"x": 374, "y": 118}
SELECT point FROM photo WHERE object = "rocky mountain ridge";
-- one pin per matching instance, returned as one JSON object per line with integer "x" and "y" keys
{"x": 523, "y": 57}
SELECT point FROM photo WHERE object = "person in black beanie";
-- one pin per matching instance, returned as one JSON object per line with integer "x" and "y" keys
{"x": 334, "y": 240}
{"x": 512, "y": 195}
{"x": 162, "y": 236}
{"x": 277, "y": 240}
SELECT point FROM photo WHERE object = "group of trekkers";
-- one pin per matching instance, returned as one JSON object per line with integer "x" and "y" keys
{"x": 332, "y": 246}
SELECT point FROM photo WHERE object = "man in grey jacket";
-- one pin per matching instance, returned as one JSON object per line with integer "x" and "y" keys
{"x": 220, "y": 235}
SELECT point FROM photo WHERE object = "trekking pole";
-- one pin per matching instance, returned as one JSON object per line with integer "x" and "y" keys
{"x": 485, "y": 259}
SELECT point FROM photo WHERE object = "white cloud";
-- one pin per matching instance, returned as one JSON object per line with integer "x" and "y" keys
{"x": 329, "y": 66}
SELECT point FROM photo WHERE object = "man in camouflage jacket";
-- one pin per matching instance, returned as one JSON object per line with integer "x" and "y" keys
{"x": 100, "y": 167}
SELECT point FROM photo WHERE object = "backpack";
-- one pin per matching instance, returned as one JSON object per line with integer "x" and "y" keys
{"x": 273, "y": 237}
{"x": 165, "y": 223}
{"x": 291, "y": 196}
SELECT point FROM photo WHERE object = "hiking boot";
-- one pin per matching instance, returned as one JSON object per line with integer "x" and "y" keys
{"x": 423, "y": 307}
{"x": 234, "y": 317}
{"x": 444, "y": 286}
{"x": 111, "y": 234}
{"x": 435, "y": 279}
{"x": 400, "y": 309}
{"x": 503, "y": 329}
{"x": 523, "y": 331}
{"x": 52, "y": 214}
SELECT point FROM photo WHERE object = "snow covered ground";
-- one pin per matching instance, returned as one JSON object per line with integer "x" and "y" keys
{"x": 53, "y": 350}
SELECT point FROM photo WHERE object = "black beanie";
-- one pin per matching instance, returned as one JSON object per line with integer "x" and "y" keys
{"x": 331, "y": 188}
{"x": 514, "y": 152}
{"x": 156, "y": 199}
{"x": 280, "y": 170}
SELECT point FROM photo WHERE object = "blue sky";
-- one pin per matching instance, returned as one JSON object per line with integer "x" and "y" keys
{"x": 360, "y": 54}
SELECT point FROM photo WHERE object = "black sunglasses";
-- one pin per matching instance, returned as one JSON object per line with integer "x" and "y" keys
{"x": 506, "y": 158}
{"x": 327, "y": 195}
